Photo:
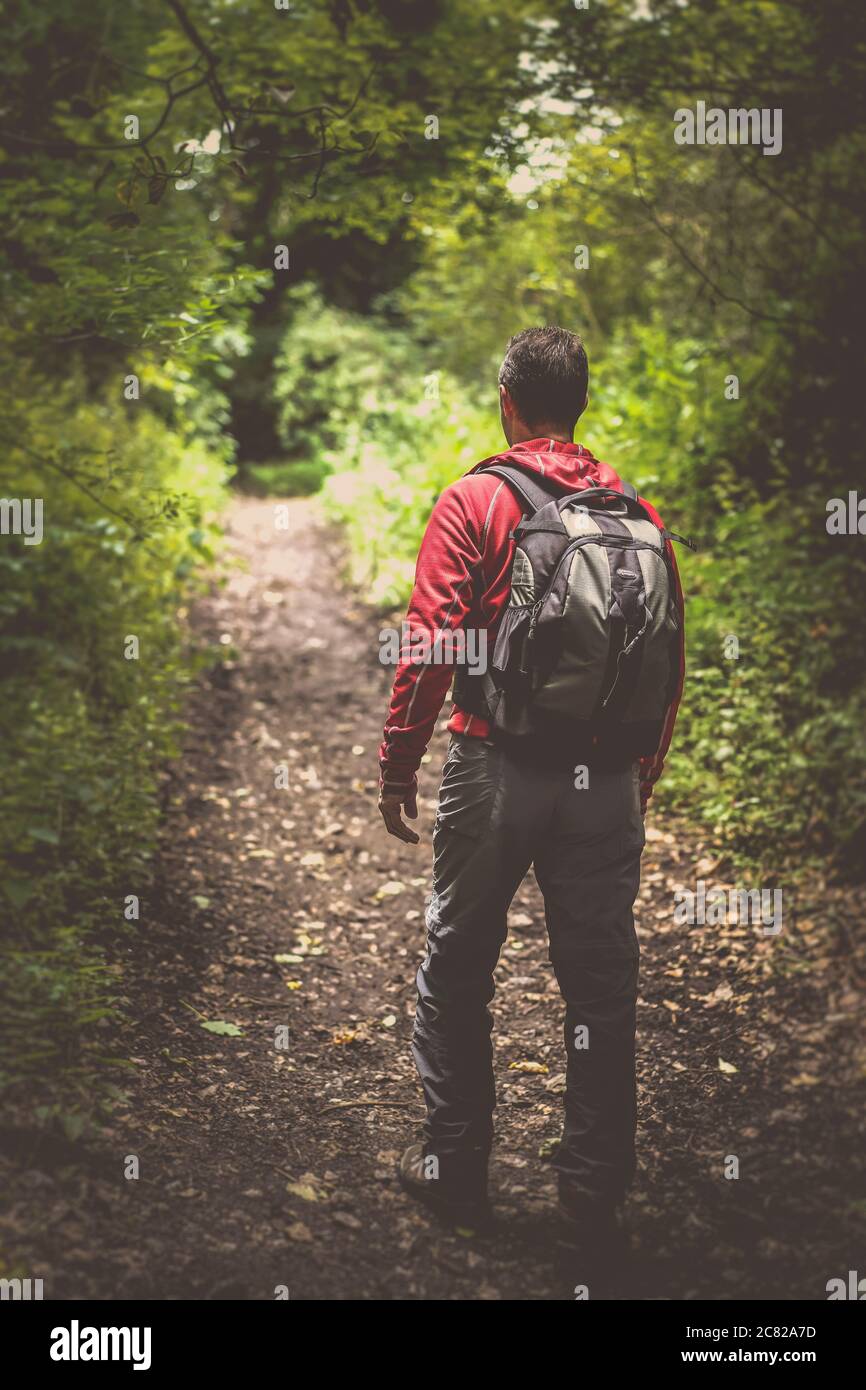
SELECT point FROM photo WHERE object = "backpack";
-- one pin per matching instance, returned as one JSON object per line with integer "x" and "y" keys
{"x": 588, "y": 650}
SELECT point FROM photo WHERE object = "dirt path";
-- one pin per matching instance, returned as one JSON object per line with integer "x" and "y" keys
{"x": 261, "y": 1167}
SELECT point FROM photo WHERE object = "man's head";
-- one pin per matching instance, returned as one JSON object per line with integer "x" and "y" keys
{"x": 542, "y": 385}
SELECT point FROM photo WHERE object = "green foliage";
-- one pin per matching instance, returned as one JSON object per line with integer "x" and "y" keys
{"x": 125, "y": 533}
{"x": 385, "y": 498}
{"x": 358, "y": 402}
{"x": 339, "y": 377}
{"x": 770, "y": 749}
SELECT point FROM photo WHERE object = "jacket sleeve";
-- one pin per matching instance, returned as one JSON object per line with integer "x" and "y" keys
{"x": 651, "y": 767}
{"x": 448, "y": 561}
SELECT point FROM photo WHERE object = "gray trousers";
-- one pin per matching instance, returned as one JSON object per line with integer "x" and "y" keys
{"x": 500, "y": 813}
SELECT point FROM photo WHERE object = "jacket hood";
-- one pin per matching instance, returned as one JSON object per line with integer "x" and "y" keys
{"x": 572, "y": 466}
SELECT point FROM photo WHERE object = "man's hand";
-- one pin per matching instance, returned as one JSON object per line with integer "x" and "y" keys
{"x": 391, "y": 806}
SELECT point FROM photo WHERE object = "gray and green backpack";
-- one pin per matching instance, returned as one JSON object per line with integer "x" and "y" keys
{"x": 587, "y": 654}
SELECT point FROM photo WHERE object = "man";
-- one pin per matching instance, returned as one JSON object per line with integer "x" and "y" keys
{"x": 506, "y": 804}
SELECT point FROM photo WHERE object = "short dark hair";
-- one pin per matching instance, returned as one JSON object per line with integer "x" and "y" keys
{"x": 546, "y": 374}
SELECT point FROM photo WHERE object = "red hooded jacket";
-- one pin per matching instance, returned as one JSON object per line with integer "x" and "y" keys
{"x": 468, "y": 543}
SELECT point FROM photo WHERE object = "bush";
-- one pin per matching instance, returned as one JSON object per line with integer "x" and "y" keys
{"x": 129, "y": 500}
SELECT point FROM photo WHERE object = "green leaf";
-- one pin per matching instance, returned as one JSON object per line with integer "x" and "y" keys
{"x": 42, "y": 833}
{"x": 19, "y": 891}
{"x": 225, "y": 1030}
{"x": 74, "y": 1125}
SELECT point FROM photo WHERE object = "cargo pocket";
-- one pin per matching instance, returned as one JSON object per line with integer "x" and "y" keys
{"x": 470, "y": 781}
{"x": 637, "y": 828}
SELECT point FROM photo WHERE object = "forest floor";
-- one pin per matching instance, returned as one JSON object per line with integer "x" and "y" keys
{"x": 276, "y": 907}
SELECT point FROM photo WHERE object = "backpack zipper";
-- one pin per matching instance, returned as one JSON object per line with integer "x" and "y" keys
{"x": 533, "y": 618}
{"x": 621, "y": 543}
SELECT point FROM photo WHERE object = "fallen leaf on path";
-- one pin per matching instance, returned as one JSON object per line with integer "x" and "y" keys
{"x": 313, "y": 859}
{"x": 720, "y": 993}
{"x": 302, "y": 1190}
{"x": 389, "y": 890}
{"x": 306, "y": 945}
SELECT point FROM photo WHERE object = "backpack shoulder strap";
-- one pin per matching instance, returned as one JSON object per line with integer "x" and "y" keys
{"x": 534, "y": 492}
{"x": 530, "y": 490}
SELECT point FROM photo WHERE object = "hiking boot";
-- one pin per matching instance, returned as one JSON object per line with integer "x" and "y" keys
{"x": 460, "y": 1198}
{"x": 591, "y": 1247}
